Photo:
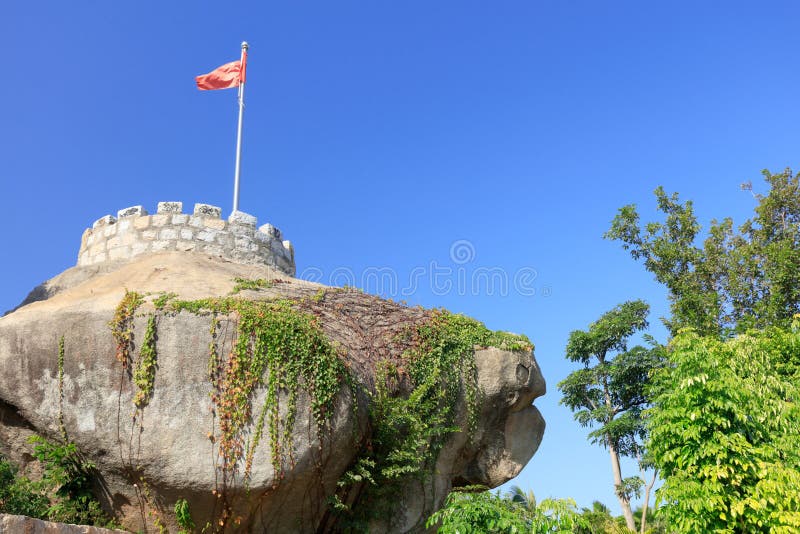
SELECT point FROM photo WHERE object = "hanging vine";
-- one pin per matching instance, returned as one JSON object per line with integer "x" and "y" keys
{"x": 413, "y": 411}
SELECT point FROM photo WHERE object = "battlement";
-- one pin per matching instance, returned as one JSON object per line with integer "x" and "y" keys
{"x": 133, "y": 232}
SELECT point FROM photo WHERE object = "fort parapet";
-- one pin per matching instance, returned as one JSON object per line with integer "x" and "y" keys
{"x": 133, "y": 232}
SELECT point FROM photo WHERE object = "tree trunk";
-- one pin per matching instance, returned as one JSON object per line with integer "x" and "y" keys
{"x": 647, "y": 499}
{"x": 624, "y": 503}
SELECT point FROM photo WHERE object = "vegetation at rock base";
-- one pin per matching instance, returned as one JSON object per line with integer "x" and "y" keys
{"x": 472, "y": 511}
{"x": 63, "y": 493}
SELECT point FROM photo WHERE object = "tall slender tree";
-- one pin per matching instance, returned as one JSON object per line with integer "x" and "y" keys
{"x": 608, "y": 393}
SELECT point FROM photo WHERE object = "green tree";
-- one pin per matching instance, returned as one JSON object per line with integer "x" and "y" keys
{"x": 655, "y": 522}
{"x": 734, "y": 279}
{"x": 525, "y": 499}
{"x": 600, "y": 521}
{"x": 609, "y": 392}
{"x": 467, "y": 512}
{"x": 556, "y": 516}
{"x": 478, "y": 513}
{"x": 725, "y": 433}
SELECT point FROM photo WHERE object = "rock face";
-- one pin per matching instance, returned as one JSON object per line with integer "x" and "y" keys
{"x": 158, "y": 434}
{"x": 18, "y": 524}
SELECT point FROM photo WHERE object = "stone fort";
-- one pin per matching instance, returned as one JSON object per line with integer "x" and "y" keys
{"x": 134, "y": 232}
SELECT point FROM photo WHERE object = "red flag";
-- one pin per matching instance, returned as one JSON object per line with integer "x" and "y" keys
{"x": 224, "y": 77}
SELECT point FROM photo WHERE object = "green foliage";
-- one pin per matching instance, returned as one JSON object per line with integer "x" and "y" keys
{"x": 61, "y": 352}
{"x": 280, "y": 349}
{"x": 556, "y": 516}
{"x": 162, "y": 300}
{"x": 275, "y": 347}
{"x": 478, "y": 513}
{"x": 413, "y": 409}
{"x": 598, "y": 520}
{"x": 122, "y": 325}
{"x": 409, "y": 431}
{"x": 64, "y": 492}
{"x": 610, "y": 391}
{"x": 444, "y": 347}
{"x": 725, "y": 432}
{"x": 145, "y": 373}
{"x": 243, "y": 284}
{"x": 467, "y": 512}
{"x": 527, "y": 500}
{"x": 19, "y": 495}
{"x": 734, "y": 280}
{"x": 184, "y": 517}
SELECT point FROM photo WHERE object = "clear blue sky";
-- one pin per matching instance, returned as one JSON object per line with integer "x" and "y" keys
{"x": 378, "y": 134}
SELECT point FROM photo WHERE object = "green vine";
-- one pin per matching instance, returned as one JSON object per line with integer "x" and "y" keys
{"x": 61, "y": 427}
{"x": 162, "y": 300}
{"x": 145, "y": 373}
{"x": 243, "y": 284}
{"x": 122, "y": 325}
{"x": 412, "y": 422}
{"x": 275, "y": 347}
{"x": 184, "y": 517}
{"x": 280, "y": 349}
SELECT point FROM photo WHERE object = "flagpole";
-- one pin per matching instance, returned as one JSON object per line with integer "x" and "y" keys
{"x": 239, "y": 131}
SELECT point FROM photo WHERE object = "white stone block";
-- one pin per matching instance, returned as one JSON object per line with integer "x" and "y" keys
{"x": 213, "y": 250}
{"x": 139, "y": 248}
{"x": 168, "y": 233}
{"x": 170, "y": 207}
{"x": 225, "y": 239}
{"x": 207, "y": 210}
{"x": 119, "y": 253}
{"x": 207, "y": 235}
{"x": 216, "y": 224}
{"x": 270, "y": 230}
{"x": 160, "y": 220}
{"x": 133, "y": 211}
{"x": 242, "y": 243}
{"x": 104, "y": 221}
{"x": 240, "y": 217}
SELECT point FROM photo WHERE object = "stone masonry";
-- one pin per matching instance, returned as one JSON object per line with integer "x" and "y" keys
{"x": 133, "y": 232}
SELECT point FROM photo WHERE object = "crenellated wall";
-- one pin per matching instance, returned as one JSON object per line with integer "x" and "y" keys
{"x": 133, "y": 232}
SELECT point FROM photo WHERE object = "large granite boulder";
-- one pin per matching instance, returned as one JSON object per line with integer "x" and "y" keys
{"x": 169, "y": 432}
